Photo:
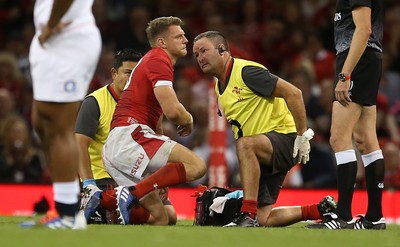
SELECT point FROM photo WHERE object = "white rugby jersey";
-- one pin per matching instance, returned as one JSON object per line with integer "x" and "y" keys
{"x": 79, "y": 13}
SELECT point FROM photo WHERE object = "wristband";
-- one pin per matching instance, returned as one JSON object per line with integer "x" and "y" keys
{"x": 343, "y": 77}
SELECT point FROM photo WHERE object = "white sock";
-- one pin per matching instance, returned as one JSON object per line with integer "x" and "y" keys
{"x": 345, "y": 156}
{"x": 66, "y": 192}
{"x": 371, "y": 157}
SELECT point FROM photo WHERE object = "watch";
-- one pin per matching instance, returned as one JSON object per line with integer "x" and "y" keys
{"x": 343, "y": 77}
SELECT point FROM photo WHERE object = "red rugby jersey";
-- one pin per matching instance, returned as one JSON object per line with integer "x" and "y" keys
{"x": 137, "y": 103}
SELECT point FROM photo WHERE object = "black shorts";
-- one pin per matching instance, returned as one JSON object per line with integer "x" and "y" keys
{"x": 365, "y": 78}
{"x": 272, "y": 177}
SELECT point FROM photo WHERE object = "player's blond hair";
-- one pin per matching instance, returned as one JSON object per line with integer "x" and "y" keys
{"x": 159, "y": 26}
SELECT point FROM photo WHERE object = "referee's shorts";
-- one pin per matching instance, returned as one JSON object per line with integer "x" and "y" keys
{"x": 365, "y": 78}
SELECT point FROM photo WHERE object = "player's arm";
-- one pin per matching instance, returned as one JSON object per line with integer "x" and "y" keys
{"x": 159, "y": 127}
{"x": 86, "y": 127}
{"x": 60, "y": 7}
{"x": 173, "y": 109}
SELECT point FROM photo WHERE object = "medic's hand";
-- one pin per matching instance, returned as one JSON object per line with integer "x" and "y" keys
{"x": 302, "y": 146}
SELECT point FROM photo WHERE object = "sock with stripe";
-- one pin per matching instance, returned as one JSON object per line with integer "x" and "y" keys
{"x": 168, "y": 175}
{"x": 66, "y": 196}
{"x": 374, "y": 175}
{"x": 346, "y": 178}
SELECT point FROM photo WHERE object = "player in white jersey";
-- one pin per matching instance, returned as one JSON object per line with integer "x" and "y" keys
{"x": 63, "y": 57}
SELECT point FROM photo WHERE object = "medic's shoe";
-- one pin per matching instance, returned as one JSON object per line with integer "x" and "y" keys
{"x": 243, "y": 220}
{"x": 90, "y": 201}
{"x": 125, "y": 201}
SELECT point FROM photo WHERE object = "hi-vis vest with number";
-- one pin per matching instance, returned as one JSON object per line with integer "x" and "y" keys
{"x": 248, "y": 113}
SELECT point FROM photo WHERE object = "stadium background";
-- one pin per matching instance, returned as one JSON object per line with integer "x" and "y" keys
{"x": 294, "y": 39}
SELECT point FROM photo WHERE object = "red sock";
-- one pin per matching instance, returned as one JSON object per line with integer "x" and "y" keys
{"x": 139, "y": 216}
{"x": 310, "y": 212}
{"x": 168, "y": 175}
{"x": 249, "y": 206}
{"x": 108, "y": 200}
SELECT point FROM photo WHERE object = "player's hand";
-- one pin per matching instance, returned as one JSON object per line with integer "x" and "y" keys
{"x": 342, "y": 93}
{"x": 185, "y": 129}
{"x": 47, "y": 32}
{"x": 302, "y": 146}
{"x": 163, "y": 192}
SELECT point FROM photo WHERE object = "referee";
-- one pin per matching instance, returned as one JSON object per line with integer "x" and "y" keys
{"x": 358, "y": 27}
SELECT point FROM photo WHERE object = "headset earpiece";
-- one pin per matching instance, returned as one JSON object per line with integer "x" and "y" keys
{"x": 221, "y": 50}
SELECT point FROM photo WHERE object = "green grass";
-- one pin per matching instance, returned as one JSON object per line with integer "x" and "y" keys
{"x": 184, "y": 234}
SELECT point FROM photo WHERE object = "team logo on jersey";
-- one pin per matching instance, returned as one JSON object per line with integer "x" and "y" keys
{"x": 131, "y": 120}
{"x": 69, "y": 86}
{"x": 237, "y": 90}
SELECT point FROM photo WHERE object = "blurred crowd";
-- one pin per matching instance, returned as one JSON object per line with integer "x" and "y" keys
{"x": 293, "y": 39}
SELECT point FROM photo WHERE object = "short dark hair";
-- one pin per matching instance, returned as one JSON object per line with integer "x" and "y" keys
{"x": 159, "y": 26}
{"x": 124, "y": 55}
{"x": 216, "y": 38}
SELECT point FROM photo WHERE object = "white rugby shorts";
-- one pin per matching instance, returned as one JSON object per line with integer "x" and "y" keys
{"x": 132, "y": 152}
{"x": 62, "y": 69}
